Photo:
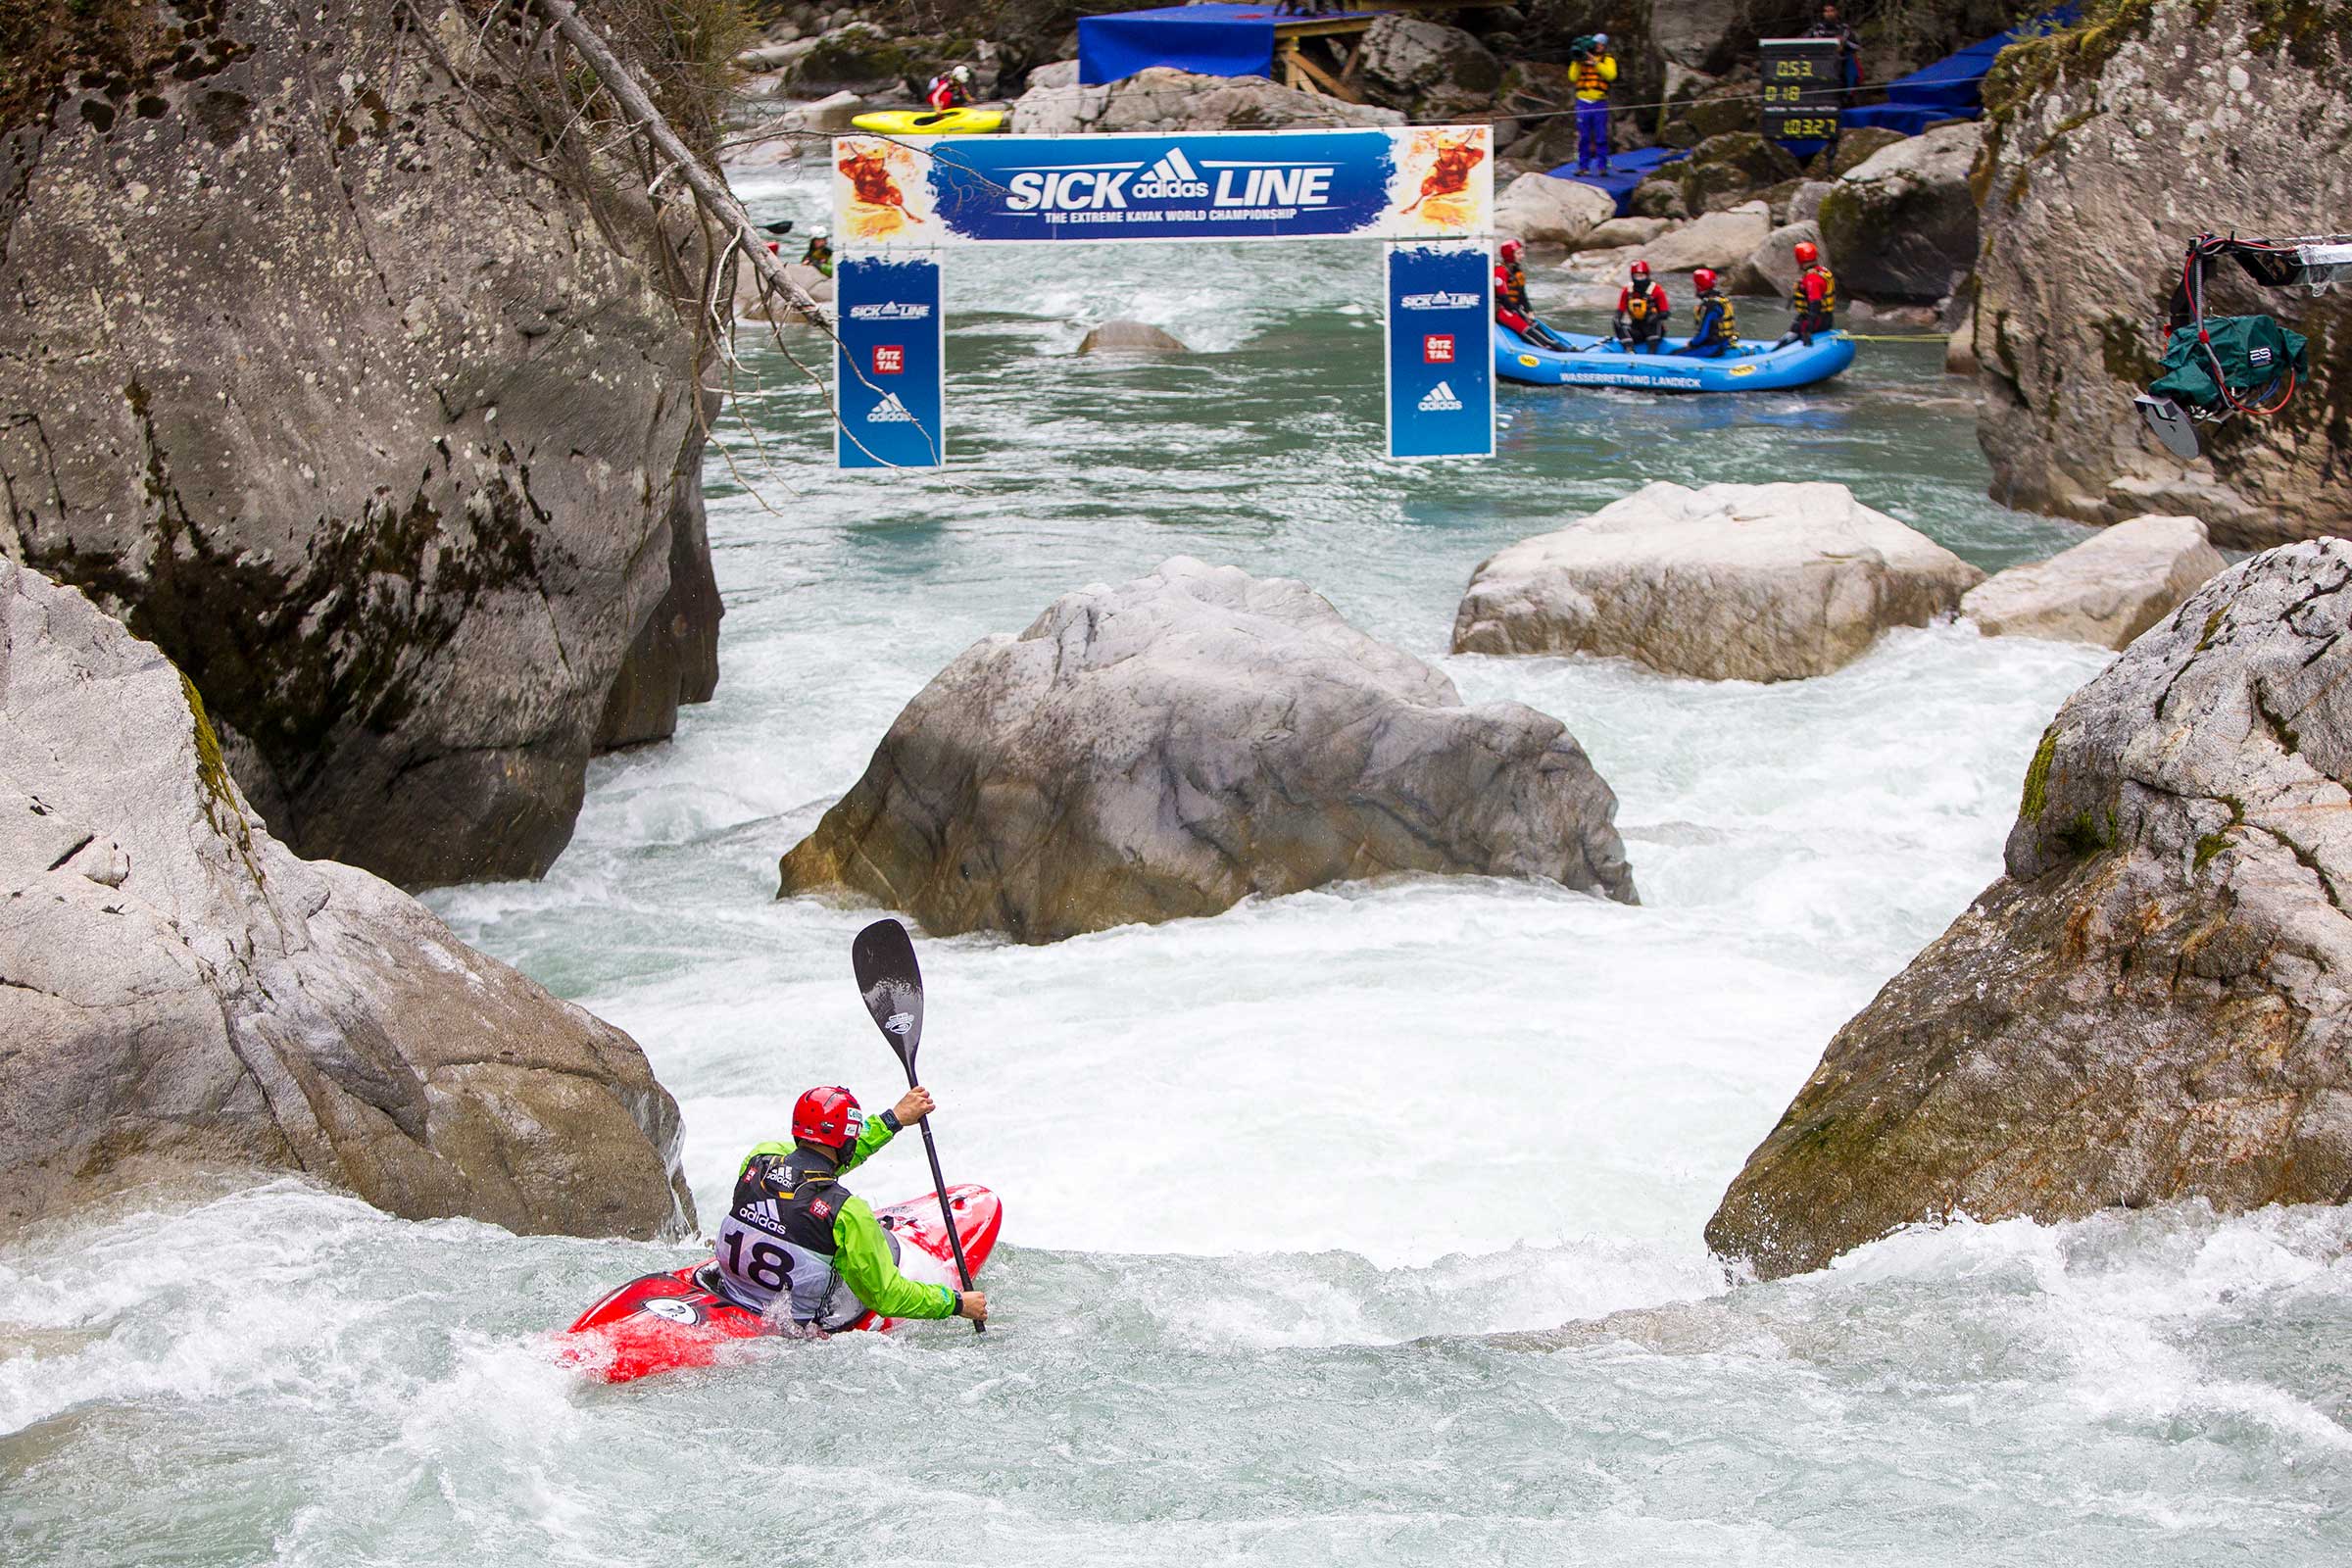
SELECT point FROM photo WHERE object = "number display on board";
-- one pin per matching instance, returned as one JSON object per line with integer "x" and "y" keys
{"x": 1801, "y": 85}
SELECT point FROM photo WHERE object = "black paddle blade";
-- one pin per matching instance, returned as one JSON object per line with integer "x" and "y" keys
{"x": 883, "y": 957}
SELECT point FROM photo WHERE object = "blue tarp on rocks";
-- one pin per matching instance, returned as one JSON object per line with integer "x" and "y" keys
{"x": 1214, "y": 40}
{"x": 1626, "y": 170}
{"x": 1952, "y": 88}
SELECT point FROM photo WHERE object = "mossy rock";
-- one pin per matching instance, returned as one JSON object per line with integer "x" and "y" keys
{"x": 1856, "y": 146}
{"x": 1761, "y": 162}
{"x": 1722, "y": 116}
{"x": 1658, "y": 198}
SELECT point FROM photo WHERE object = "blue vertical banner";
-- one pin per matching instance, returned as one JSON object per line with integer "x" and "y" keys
{"x": 1441, "y": 344}
{"x": 889, "y": 363}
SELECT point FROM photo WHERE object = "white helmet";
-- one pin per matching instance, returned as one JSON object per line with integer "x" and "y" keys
{"x": 962, "y": 73}
{"x": 1600, "y": 40}
{"x": 820, "y": 232}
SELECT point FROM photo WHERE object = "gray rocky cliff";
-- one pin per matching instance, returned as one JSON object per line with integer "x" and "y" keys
{"x": 181, "y": 998}
{"x": 2154, "y": 1002}
{"x": 387, "y": 436}
{"x": 2110, "y": 148}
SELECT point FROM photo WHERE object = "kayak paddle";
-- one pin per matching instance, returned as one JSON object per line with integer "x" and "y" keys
{"x": 883, "y": 958}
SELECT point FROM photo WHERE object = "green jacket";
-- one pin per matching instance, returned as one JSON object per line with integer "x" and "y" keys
{"x": 860, "y": 1251}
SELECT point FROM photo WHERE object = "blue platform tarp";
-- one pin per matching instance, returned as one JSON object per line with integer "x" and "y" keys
{"x": 1208, "y": 41}
{"x": 1952, "y": 88}
{"x": 1626, "y": 170}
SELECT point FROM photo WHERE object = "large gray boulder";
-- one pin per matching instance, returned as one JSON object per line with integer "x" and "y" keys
{"x": 1772, "y": 265}
{"x": 181, "y": 996}
{"x": 1545, "y": 210}
{"x": 1730, "y": 582}
{"x": 2106, "y": 590}
{"x": 1160, "y": 98}
{"x": 1903, "y": 222}
{"x": 2154, "y": 1002}
{"x": 1176, "y": 743}
{"x": 387, "y": 436}
{"x": 1428, "y": 69}
{"x": 2107, "y": 154}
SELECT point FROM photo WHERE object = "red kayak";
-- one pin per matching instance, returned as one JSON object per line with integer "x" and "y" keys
{"x": 661, "y": 1321}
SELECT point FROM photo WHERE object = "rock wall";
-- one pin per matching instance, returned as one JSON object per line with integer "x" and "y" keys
{"x": 387, "y": 438}
{"x": 183, "y": 997}
{"x": 2109, "y": 149}
{"x": 2154, "y": 1002}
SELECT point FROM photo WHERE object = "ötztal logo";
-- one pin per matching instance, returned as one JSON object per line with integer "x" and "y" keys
{"x": 1220, "y": 181}
{"x": 889, "y": 311}
{"x": 1440, "y": 301}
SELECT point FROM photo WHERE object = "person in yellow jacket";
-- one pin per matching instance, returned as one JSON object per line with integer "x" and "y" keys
{"x": 1591, "y": 68}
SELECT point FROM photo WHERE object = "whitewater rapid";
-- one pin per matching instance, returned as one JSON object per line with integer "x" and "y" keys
{"x": 1356, "y": 1226}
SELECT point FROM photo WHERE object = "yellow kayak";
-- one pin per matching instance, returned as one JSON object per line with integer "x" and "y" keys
{"x": 932, "y": 121}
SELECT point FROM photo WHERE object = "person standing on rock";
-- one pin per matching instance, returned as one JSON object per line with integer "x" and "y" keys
{"x": 951, "y": 89}
{"x": 1511, "y": 306}
{"x": 1642, "y": 311}
{"x": 1717, "y": 330}
{"x": 1813, "y": 301}
{"x": 795, "y": 1236}
{"x": 1592, "y": 68}
{"x": 1828, "y": 25}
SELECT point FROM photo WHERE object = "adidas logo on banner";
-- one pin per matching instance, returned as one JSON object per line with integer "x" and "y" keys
{"x": 890, "y": 410}
{"x": 1440, "y": 398}
{"x": 1172, "y": 176}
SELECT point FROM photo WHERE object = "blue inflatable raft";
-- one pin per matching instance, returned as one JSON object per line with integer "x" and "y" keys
{"x": 1748, "y": 367}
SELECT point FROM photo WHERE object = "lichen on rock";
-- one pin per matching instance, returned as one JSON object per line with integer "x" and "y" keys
{"x": 2154, "y": 1002}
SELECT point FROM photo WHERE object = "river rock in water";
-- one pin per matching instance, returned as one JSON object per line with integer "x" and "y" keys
{"x": 386, "y": 436}
{"x": 2102, "y": 164}
{"x": 2155, "y": 1001}
{"x": 181, "y": 994}
{"x": 2106, "y": 590}
{"x": 1903, "y": 222}
{"x": 1730, "y": 582}
{"x": 1176, "y": 743}
{"x": 1122, "y": 337}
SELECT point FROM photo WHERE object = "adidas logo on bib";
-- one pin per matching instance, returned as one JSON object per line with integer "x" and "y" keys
{"x": 890, "y": 410}
{"x": 1440, "y": 398}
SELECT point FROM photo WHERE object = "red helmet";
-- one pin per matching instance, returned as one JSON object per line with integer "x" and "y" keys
{"x": 827, "y": 1116}
{"x": 1808, "y": 252}
{"x": 1510, "y": 250}
{"x": 1703, "y": 279}
{"x": 1640, "y": 272}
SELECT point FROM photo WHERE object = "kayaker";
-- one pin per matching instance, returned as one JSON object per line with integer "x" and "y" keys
{"x": 797, "y": 1246}
{"x": 1717, "y": 326}
{"x": 819, "y": 253}
{"x": 1813, "y": 301}
{"x": 1642, "y": 311}
{"x": 952, "y": 89}
{"x": 1511, "y": 308}
{"x": 1590, "y": 70}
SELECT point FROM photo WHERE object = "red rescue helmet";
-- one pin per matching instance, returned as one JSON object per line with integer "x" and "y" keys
{"x": 1510, "y": 250}
{"x": 1808, "y": 252}
{"x": 1640, "y": 272}
{"x": 1703, "y": 279}
{"x": 827, "y": 1116}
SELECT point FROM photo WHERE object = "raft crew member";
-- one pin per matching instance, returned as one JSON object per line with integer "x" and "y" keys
{"x": 1828, "y": 25}
{"x": 1511, "y": 300}
{"x": 952, "y": 89}
{"x": 1814, "y": 300}
{"x": 797, "y": 1245}
{"x": 819, "y": 253}
{"x": 1642, "y": 310}
{"x": 1718, "y": 323}
{"x": 1590, "y": 70}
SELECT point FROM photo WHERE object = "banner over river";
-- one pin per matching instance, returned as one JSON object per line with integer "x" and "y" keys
{"x": 1397, "y": 184}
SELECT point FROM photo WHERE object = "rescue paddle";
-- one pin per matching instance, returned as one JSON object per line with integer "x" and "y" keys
{"x": 883, "y": 958}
